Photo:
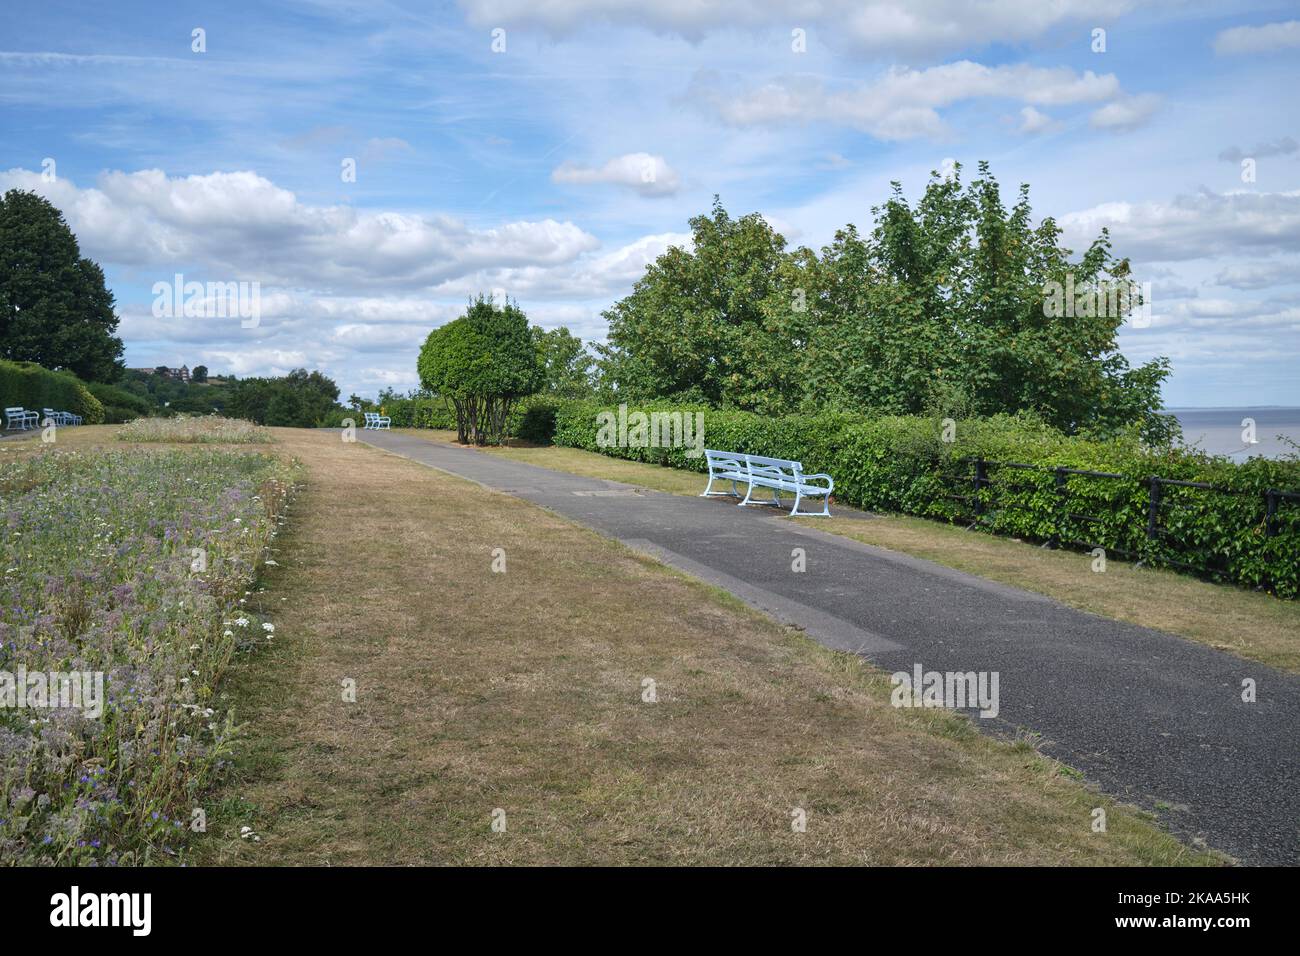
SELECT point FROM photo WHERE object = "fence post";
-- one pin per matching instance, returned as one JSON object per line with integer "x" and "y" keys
{"x": 1054, "y": 541}
{"x": 1153, "y": 512}
{"x": 979, "y": 484}
{"x": 1270, "y": 513}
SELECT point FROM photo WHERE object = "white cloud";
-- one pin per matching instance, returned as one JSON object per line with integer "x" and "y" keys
{"x": 1259, "y": 276}
{"x": 903, "y": 103}
{"x": 242, "y": 226}
{"x": 872, "y": 26}
{"x": 1268, "y": 38}
{"x": 646, "y": 174}
{"x": 353, "y": 293}
{"x": 1192, "y": 227}
{"x": 1127, "y": 113}
{"x": 600, "y": 276}
{"x": 1032, "y": 121}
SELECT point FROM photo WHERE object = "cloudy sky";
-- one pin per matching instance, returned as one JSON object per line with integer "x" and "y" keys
{"x": 550, "y": 148}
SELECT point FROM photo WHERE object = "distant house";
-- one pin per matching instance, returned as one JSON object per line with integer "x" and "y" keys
{"x": 181, "y": 374}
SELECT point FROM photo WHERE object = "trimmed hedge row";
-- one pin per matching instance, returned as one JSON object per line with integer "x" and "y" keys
{"x": 120, "y": 405}
{"x": 902, "y": 464}
{"x": 35, "y": 388}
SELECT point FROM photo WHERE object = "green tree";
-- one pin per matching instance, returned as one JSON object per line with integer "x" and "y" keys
{"x": 482, "y": 362}
{"x": 945, "y": 304}
{"x": 55, "y": 308}
{"x": 300, "y": 399}
{"x": 713, "y": 323}
{"x": 199, "y": 374}
{"x": 566, "y": 365}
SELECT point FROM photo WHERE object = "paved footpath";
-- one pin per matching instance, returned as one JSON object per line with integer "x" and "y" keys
{"x": 1148, "y": 717}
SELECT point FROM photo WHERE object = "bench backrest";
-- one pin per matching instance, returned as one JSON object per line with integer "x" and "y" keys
{"x": 724, "y": 459}
{"x": 759, "y": 465}
{"x": 762, "y": 462}
{"x": 13, "y": 410}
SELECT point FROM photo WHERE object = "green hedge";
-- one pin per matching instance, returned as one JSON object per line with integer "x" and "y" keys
{"x": 36, "y": 388}
{"x": 119, "y": 404}
{"x": 901, "y": 464}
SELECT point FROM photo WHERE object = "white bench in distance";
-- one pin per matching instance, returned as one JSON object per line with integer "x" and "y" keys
{"x": 17, "y": 417}
{"x": 374, "y": 420}
{"x": 775, "y": 474}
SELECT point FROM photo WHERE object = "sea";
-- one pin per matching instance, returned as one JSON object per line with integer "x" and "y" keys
{"x": 1222, "y": 431}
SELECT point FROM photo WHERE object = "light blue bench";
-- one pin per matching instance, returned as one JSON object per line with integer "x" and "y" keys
{"x": 774, "y": 474}
{"x": 18, "y": 417}
{"x": 61, "y": 418}
{"x": 375, "y": 421}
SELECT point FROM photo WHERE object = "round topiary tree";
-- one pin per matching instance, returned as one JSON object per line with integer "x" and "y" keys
{"x": 482, "y": 363}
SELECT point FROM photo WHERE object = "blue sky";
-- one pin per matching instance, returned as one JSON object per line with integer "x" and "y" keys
{"x": 525, "y": 169}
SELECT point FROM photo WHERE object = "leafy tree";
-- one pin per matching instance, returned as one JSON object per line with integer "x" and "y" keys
{"x": 300, "y": 399}
{"x": 482, "y": 362}
{"x": 199, "y": 374}
{"x": 948, "y": 299}
{"x": 944, "y": 303}
{"x": 55, "y": 308}
{"x": 710, "y": 323}
{"x": 566, "y": 365}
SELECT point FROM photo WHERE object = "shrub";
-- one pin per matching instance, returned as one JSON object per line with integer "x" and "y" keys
{"x": 34, "y": 388}
{"x": 300, "y": 399}
{"x": 535, "y": 419}
{"x": 418, "y": 412}
{"x": 902, "y": 464}
{"x": 336, "y": 417}
{"x": 119, "y": 404}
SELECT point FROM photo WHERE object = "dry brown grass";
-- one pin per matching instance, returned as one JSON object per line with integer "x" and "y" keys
{"x": 522, "y": 691}
{"x": 1248, "y": 624}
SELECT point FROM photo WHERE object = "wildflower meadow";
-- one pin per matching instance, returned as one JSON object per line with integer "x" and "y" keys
{"x": 186, "y": 429}
{"x": 135, "y": 567}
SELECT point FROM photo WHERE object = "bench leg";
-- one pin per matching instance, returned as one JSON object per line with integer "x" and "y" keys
{"x": 748, "y": 491}
{"x": 824, "y": 513}
{"x": 710, "y": 493}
